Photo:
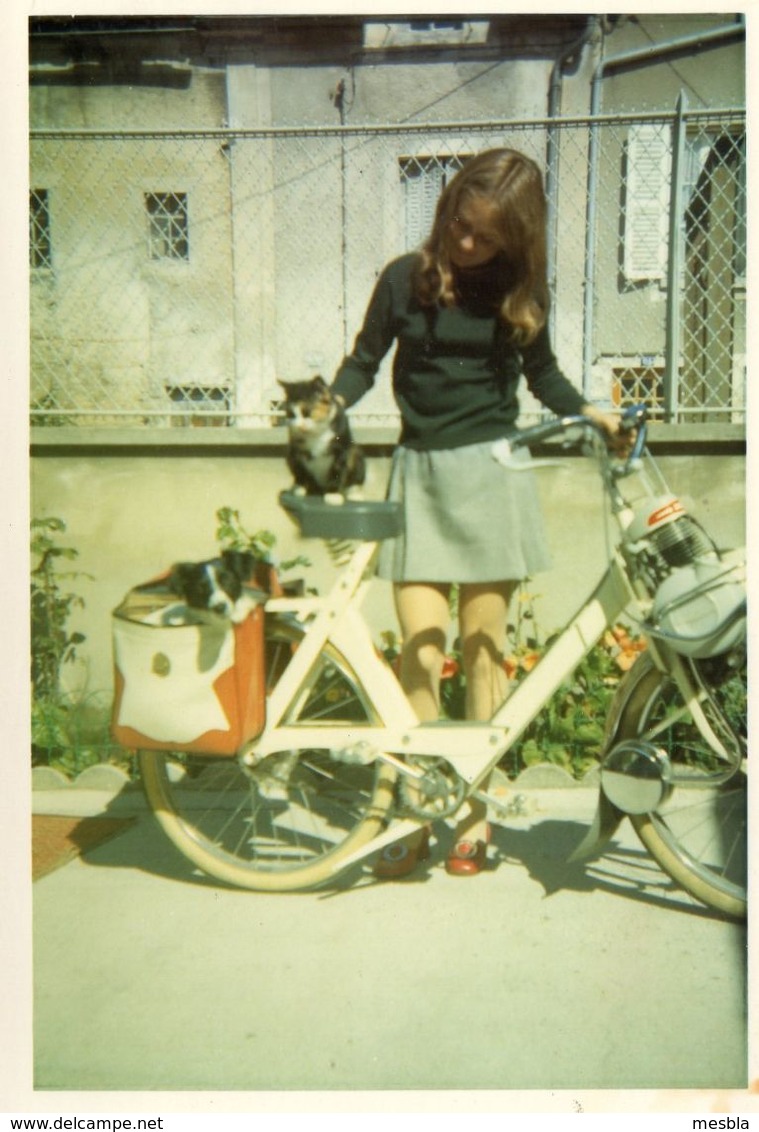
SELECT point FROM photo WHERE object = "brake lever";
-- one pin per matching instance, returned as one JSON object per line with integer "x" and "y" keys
{"x": 503, "y": 454}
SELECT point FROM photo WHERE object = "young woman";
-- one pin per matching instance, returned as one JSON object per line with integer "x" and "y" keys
{"x": 468, "y": 314}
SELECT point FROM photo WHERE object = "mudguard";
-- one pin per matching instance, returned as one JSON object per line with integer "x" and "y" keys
{"x": 605, "y": 825}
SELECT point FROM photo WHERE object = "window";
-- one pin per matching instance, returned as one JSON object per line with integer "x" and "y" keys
{"x": 168, "y": 232}
{"x": 205, "y": 405}
{"x": 381, "y": 35}
{"x": 40, "y": 246}
{"x": 639, "y": 384}
{"x": 423, "y": 179}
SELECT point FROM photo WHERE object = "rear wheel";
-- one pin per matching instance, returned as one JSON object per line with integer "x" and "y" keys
{"x": 698, "y": 836}
{"x": 286, "y": 824}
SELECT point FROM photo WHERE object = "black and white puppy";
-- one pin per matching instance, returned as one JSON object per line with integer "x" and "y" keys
{"x": 216, "y": 586}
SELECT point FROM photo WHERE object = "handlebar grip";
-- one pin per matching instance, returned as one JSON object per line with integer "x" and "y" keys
{"x": 635, "y": 416}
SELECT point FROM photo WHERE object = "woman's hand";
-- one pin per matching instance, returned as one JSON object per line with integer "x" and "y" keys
{"x": 620, "y": 442}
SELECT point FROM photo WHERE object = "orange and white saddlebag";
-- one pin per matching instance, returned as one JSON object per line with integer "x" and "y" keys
{"x": 184, "y": 681}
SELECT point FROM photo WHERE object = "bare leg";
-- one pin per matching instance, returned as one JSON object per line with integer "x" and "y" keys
{"x": 483, "y": 616}
{"x": 424, "y": 617}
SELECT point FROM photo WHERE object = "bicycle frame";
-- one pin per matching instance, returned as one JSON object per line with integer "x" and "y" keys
{"x": 325, "y": 786}
{"x": 392, "y": 732}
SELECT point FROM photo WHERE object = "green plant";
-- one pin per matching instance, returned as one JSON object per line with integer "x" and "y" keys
{"x": 53, "y": 643}
{"x": 569, "y": 730}
{"x": 69, "y": 732}
{"x": 44, "y": 413}
{"x": 232, "y": 535}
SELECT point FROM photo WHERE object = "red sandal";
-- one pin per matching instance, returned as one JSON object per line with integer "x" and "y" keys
{"x": 402, "y": 857}
{"x": 467, "y": 858}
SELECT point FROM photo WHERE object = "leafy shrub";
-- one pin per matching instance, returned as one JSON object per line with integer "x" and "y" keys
{"x": 569, "y": 729}
{"x": 53, "y": 643}
{"x": 69, "y": 732}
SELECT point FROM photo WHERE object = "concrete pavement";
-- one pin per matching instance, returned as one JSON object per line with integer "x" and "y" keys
{"x": 531, "y": 976}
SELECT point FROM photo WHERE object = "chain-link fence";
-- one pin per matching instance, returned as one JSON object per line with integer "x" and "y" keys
{"x": 177, "y": 277}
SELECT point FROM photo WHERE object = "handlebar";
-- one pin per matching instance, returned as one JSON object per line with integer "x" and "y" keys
{"x": 633, "y": 417}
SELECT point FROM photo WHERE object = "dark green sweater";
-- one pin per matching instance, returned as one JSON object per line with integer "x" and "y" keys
{"x": 455, "y": 373}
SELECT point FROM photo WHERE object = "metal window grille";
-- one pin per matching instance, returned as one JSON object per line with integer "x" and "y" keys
{"x": 423, "y": 180}
{"x": 40, "y": 241}
{"x": 291, "y": 226}
{"x": 204, "y": 406}
{"x": 168, "y": 235}
{"x": 642, "y": 384}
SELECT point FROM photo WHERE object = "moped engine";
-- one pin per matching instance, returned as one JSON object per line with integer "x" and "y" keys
{"x": 664, "y": 537}
{"x": 699, "y": 598}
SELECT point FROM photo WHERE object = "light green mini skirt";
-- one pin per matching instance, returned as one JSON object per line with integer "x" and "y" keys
{"x": 467, "y": 518}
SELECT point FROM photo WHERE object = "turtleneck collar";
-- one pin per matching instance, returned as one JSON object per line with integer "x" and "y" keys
{"x": 485, "y": 285}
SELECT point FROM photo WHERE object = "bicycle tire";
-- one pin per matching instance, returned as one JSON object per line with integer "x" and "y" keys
{"x": 699, "y": 834}
{"x": 214, "y": 812}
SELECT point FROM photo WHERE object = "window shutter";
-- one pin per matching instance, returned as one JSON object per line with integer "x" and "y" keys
{"x": 421, "y": 191}
{"x": 649, "y": 165}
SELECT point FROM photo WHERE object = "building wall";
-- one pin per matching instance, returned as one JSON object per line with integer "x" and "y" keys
{"x": 287, "y": 235}
{"x": 713, "y": 77}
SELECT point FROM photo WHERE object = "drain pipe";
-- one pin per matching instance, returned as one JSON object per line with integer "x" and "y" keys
{"x": 654, "y": 53}
{"x": 552, "y": 148}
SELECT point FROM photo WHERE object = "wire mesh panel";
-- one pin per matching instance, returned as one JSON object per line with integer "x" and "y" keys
{"x": 713, "y": 360}
{"x": 135, "y": 300}
{"x": 177, "y": 278}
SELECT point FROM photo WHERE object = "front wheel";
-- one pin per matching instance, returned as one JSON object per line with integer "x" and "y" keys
{"x": 698, "y": 836}
{"x": 286, "y": 824}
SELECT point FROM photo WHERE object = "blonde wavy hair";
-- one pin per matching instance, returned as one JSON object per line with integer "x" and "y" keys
{"x": 513, "y": 185}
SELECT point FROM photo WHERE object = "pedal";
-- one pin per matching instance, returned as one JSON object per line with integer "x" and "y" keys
{"x": 515, "y": 807}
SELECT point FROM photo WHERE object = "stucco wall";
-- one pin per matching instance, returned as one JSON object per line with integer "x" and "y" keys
{"x": 132, "y": 516}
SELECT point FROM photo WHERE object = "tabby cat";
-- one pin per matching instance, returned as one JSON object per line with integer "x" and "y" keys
{"x": 321, "y": 454}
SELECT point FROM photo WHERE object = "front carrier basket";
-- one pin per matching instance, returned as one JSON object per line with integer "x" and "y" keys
{"x": 185, "y": 681}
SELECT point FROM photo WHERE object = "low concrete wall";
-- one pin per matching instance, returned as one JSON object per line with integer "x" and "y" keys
{"x": 132, "y": 515}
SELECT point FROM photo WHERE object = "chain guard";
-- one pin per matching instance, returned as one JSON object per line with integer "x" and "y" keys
{"x": 437, "y": 795}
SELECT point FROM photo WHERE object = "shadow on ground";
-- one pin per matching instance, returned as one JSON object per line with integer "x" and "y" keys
{"x": 542, "y": 848}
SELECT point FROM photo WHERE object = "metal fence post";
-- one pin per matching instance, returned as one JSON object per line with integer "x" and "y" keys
{"x": 590, "y": 258}
{"x": 672, "y": 333}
